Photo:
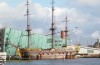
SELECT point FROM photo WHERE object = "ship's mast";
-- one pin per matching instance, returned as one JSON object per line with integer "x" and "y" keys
{"x": 66, "y": 30}
{"x": 28, "y": 24}
{"x": 53, "y": 28}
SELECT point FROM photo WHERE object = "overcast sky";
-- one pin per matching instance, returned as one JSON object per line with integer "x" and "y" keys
{"x": 84, "y": 14}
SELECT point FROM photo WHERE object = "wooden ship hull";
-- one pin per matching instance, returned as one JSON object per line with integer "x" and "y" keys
{"x": 26, "y": 54}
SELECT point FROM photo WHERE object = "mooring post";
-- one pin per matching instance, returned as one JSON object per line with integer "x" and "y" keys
{"x": 70, "y": 55}
{"x": 9, "y": 58}
{"x": 19, "y": 59}
{"x": 66, "y": 55}
{"x": 29, "y": 58}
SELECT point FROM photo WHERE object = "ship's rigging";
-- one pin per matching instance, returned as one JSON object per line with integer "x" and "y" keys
{"x": 53, "y": 24}
{"x": 66, "y": 30}
{"x": 28, "y": 24}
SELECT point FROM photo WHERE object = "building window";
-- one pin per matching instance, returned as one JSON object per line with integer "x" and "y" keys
{"x": 49, "y": 40}
{"x": 59, "y": 44}
{"x": 55, "y": 44}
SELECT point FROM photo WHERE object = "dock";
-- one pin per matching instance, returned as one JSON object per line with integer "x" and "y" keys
{"x": 2, "y": 58}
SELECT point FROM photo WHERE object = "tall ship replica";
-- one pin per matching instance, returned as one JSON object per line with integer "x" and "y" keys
{"x": 27, "y": 45}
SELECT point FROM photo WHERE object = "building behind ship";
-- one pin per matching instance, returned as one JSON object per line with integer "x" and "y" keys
{"x": 11, "y": 39}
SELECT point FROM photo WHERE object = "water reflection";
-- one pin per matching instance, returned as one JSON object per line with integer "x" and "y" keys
{"x": 80, "y": 61}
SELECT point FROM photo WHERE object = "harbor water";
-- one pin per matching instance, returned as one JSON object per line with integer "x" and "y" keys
{"x": 79, "y": 61}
